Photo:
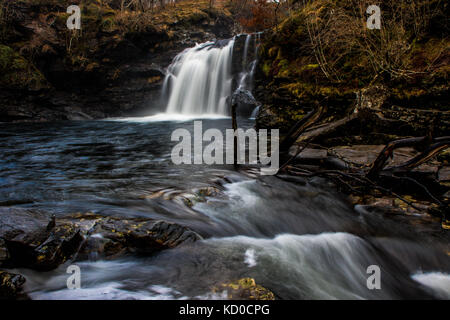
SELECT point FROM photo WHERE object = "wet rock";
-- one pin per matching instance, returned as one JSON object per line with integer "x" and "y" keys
{"x": 364, "y": 155}
{"x": 245, "y": 102}
{"x": 358, "y": 154}
{"x": 59, "y": 247}
{"x": 33, "y": 239}
{"x": 112, "y": 237}
{"x": 10, "y": 285}
{"x": 27, "y": 228}
{"x": 244, "y": 289}
{"x": 309, "y": 156}
{"x": 268, "y": 118}
{"x": 4, "y": 254}
{"x": 444, "y": 174}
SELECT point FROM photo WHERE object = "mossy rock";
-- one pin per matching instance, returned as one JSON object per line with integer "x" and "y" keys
{"x": 244, "y": 289}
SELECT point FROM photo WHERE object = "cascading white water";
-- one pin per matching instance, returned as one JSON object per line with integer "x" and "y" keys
{"x": 249, "y": 66}
{"x": 199, "y": 80}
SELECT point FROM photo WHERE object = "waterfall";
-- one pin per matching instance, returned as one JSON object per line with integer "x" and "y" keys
{"x": 199, "y": 80}
{"x": 249, "y": 66}
{"x": 246, "y": 45}
{"x": 243, "y": 96}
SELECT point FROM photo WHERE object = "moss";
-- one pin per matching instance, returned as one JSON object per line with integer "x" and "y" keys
{"x": 109, "y": 24}
{"x": 273, "y": 52}
{"x": 17, "y": 72}
{"x": 266, "y": 66}
{"x": 196, "y": 16}
{"x": 245, "y": 288}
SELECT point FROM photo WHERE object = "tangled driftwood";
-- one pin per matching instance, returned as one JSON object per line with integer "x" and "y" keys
{"x": 372, "y": 177}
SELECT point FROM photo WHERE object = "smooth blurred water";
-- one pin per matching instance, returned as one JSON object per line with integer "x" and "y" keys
{"x": 199, "y": 80}
{"x": 298, "y": 238}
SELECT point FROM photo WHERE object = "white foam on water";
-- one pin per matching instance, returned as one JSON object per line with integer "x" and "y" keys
{"x": 165, "y": 117}
{"x": 107, "y": 291}
{"x": 241, "y": 194}
{"x": 309, "y": 263}
{"x": 438, "y": 282}
{"x": 250, "y": 258}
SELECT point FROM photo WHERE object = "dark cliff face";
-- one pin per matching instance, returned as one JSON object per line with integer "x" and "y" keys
{"x": 114, "y": 66}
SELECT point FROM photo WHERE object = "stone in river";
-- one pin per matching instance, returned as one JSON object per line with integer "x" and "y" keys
{"x": 32, "y": 239}
{"x": 10, "y": 285}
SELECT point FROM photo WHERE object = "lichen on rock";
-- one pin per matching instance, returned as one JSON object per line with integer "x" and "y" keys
{"x": 244, "y": 289}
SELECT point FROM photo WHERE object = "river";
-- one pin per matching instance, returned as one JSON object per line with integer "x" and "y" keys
{"x": 299, "y": 238}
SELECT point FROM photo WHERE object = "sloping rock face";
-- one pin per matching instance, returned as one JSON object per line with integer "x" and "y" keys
{"x": 114, "y": 67}
{"x": 34, "y": 239}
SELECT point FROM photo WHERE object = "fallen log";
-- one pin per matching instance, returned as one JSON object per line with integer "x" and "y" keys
{"x": 431, "y": 150}
{"x": 388, "y": 151}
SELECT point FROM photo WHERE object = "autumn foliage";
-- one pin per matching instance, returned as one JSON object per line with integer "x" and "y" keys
{"x": 258, "y": 15}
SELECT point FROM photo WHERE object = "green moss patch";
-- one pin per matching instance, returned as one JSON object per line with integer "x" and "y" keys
{"x": 17, "y": 72}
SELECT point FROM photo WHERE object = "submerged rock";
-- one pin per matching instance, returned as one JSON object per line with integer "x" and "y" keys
{"x": 10, "y": 285}
{"x": 244, "y": 289}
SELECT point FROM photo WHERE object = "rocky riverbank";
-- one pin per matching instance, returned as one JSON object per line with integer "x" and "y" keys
{"x": 36, "y": 240}
{"x": 372, "y": 88}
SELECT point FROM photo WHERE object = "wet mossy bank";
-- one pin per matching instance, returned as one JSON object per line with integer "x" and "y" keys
{"x": 323, "y": 54}
{"x": 374, "y": 86}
